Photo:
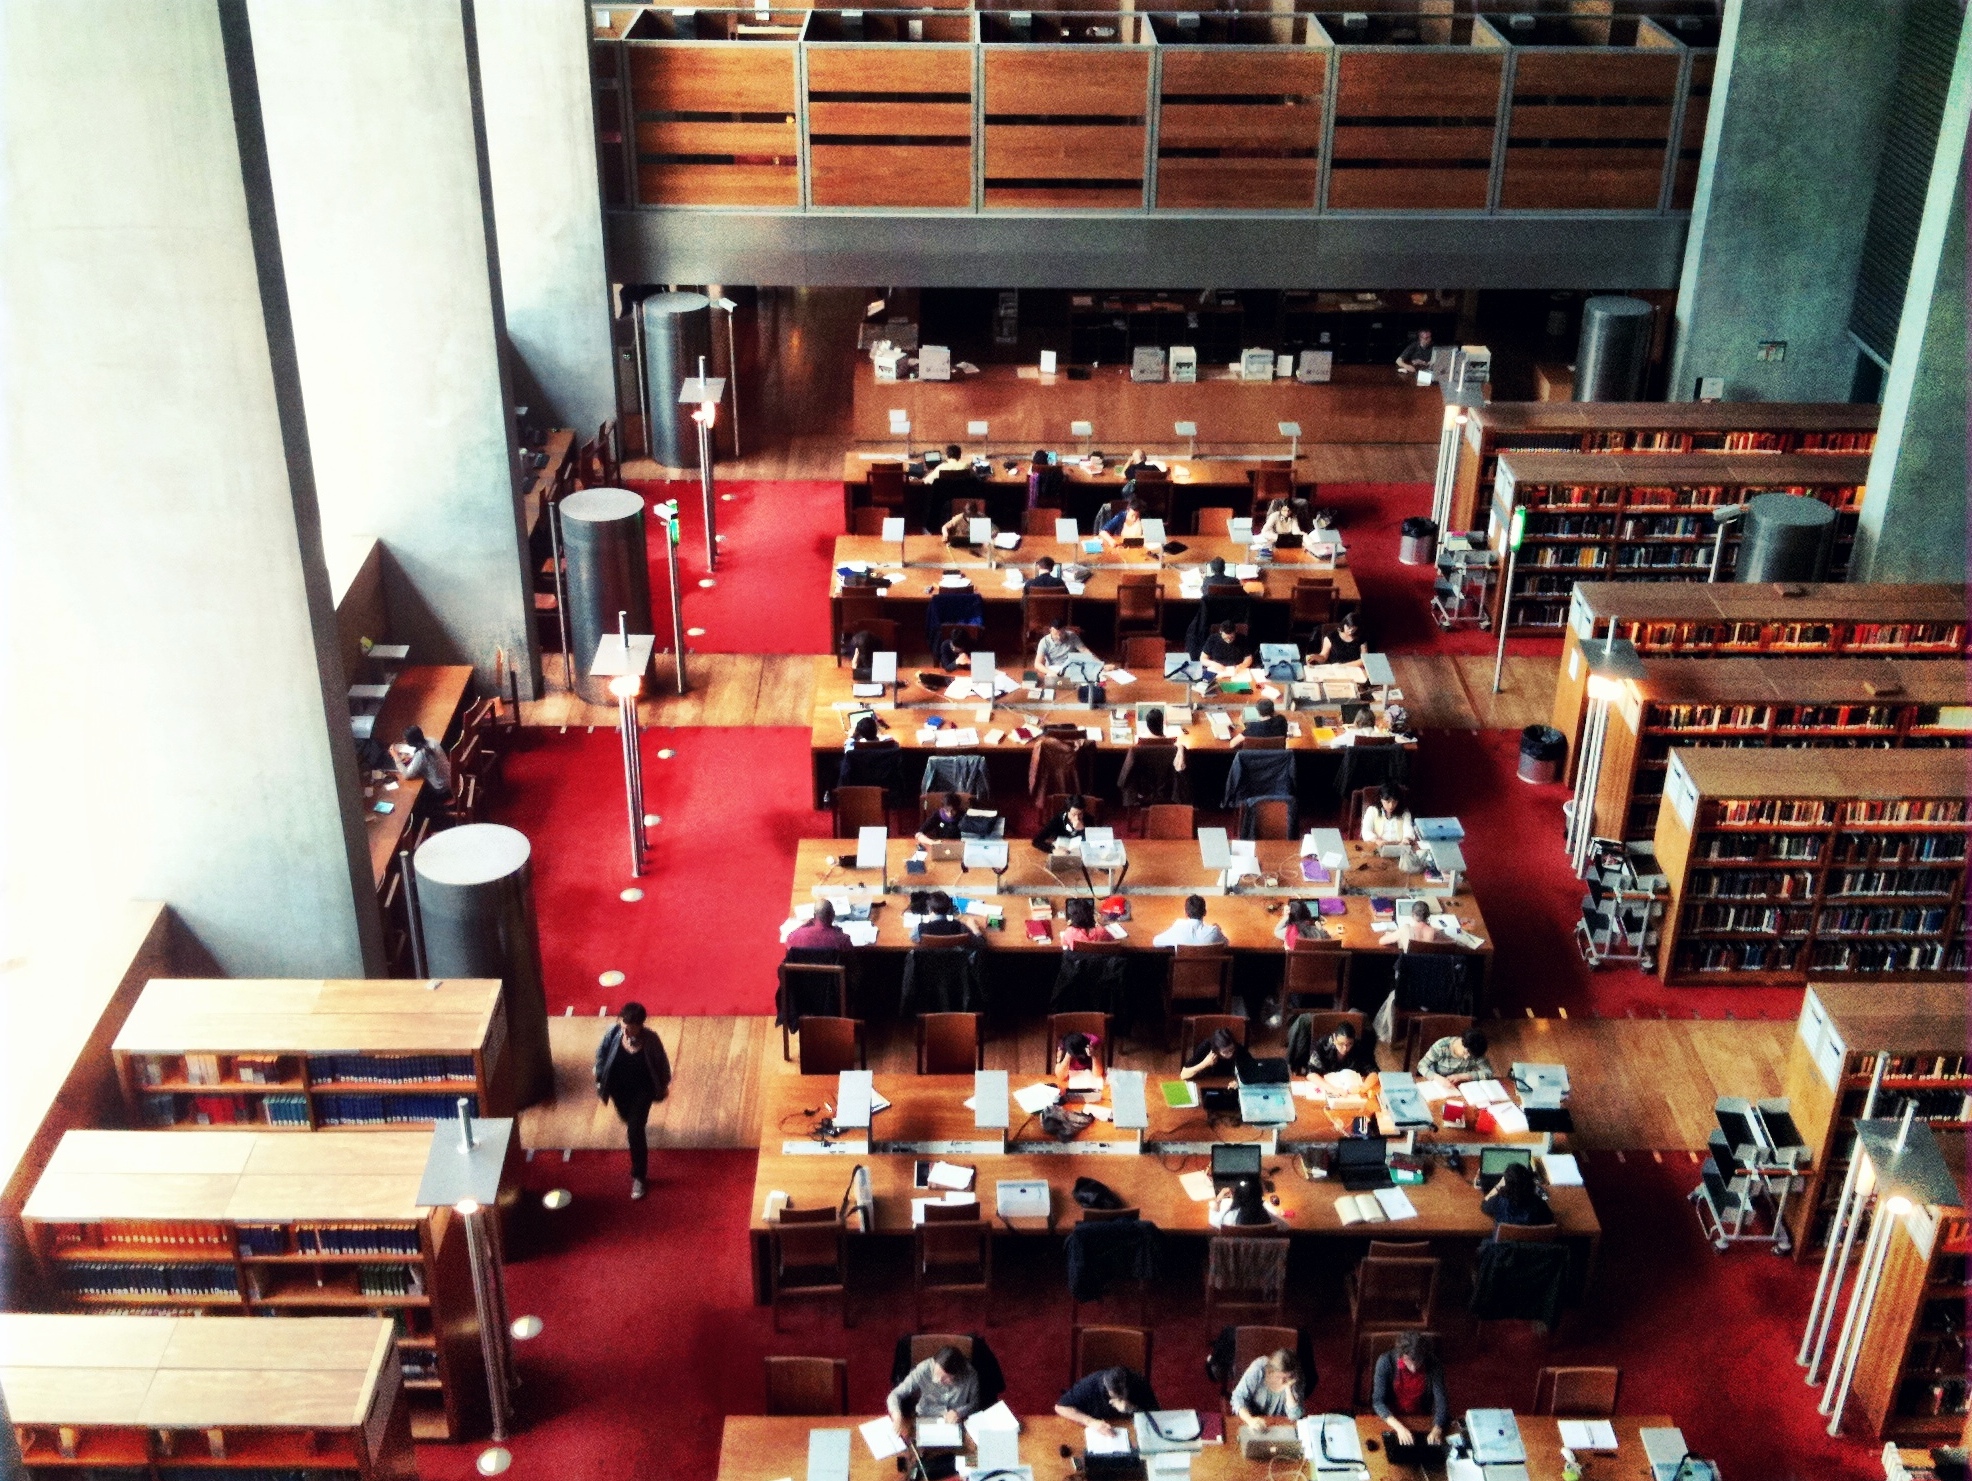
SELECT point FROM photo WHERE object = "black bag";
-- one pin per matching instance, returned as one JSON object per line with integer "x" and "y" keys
{"x": 1092, "y": 694}
{"x": 1062, "y": 1124}
{"x": 1096, "y": 1194}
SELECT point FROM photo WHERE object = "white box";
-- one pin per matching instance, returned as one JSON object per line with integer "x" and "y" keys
{"x": 1184, "y": 364}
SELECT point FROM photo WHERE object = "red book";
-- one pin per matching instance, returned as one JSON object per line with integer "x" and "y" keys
{"x": 1037, "y": 930}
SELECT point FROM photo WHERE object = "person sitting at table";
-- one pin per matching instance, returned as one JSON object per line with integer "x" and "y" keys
{"x": 861, "y": 654}
{"x": 1124, "y": 523}
{"x": 1066, "y": 826}
{"x": 940, "y": 918}
{"x": 1339, "y": 1049}
{"x": 1389, "y": 821}
{"x": 1080, "y": 928}
{"x": 952, "y": 462}
{"x": 943, "y": 825}
{"x": 1270, "y": 1388}
{"x": 943, "y": 1387}
{"x": 1153, "y": 734}
{"x": 1191, "y": 928}
{"x": 1457, "y": 1058}
{"x": 1219, "y": 581}
{"x": 1410, "y": 1381}
{"x": 1516, "y": 1199}
{"x": 1242, "y": 1205}
{"x": 956, "y": 602}
{"x": 1079, "y": 1054}
{"x": 1341, "y": 644}
{"x": 1221, "y": 1054}
{"x": 819, "y": 932}
{"x": 1105, "y": 1400}
{"x": 419, "y": 759}
{"x": 1284, "y": 517}
{"x": 1416, "y": 353}
{"x": 868, "y": 736}
{"x": 1226, "y": 652}
{"x": 1058, "y": 644}
{"x": 1043, "y": 478}
{"x": 1418, "y": 926}
{"x": 1300, "y": 922}
{"x": 1137, "y": 462}
{"x": 958, "y": 529}
{"x": 1265, "y": 724}
{"x": 1047, "y": 576}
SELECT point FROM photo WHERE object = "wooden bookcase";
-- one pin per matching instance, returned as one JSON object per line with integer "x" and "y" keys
{"x": 305, "y": 1054}
{"x": 1827, "y": 703}
{"x": 267, "y": 1224}
{"x": 150, "y": 1398}
{"x": 1680, "y": 619}
{"x": 1647, "y": 427}
{"x": 1843, "y": 1027}
{"x": 1795, "y": 866}
{"x": 1642, "y": 517}
{"x": 1911, "y": 1380}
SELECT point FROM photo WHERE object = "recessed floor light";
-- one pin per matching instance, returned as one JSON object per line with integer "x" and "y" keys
{"x": 631, "y": 896}
{"x": 525, "y": 1327}
{"x": 651, "y": 820}
{"x": 493, "y": 1461}
{"x": 611, "y": 979}
{"x": 706, "y": 581}
{"x": 694, "y": 632}
{"x": 557, "y": 1198}
{"x": 666, "y": 754}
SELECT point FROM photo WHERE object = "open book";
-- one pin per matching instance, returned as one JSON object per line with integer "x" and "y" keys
{"x": 1382, "y": 1206}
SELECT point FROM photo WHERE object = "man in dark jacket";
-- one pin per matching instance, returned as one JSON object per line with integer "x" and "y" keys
{"x": 633, "y": 1073}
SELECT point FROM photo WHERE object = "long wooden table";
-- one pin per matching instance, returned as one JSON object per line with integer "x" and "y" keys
{"x": 755, "y": 1448}
{"x": 427, "y": 695}
{"x": 560, "y": 447}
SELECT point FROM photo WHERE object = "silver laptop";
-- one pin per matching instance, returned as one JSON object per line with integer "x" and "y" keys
{"x": 1021, "y": 1198}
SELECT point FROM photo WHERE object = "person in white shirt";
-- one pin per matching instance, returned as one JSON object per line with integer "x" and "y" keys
{"x": 418, "y": 757}
{"x": 1389, "y": 821}
{"x": 1193, "y": 930}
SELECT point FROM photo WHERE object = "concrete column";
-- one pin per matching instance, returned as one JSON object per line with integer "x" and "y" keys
{"x": 380, "y": 176}
{"x": 541, "y": 148}
{"x": 1783, "y": 198}
{"x": 175, "y": 711}
{"x": 1913, "y": 520}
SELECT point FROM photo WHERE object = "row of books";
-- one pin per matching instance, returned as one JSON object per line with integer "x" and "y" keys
{"x": 1930, "y": 1105}
{"x": 1703, "y": 497}
{"x": 1905, "y": 810}
{"x": 1936, "y": 883}
{"x": 172, "y": 1234}
{"x": 166, "y": 1109}
{"x": 1835, "y": 442}
{"x": 1651, "y": 636}
{"x": 1709, "y": 717}
{"x": 420, "y": 1365}
{"x": 1750, "y": 884}
{"x": 1877, "y": 956}
{"x": 1568, "y": 557}
{"x": 1907, "y": 635}
{"x": 1739, "y": 956}
{"x": 87, "y": 1277}
{"x": 1872, "y": 920}
{"x": 1792, "y": 810}
{"x": 1749, "y": 918}
{"x": 1898, "y": 848}
{"x": 335, "y": 1069}
{"x": 1838, "y": 717}
{"x": 1665, "y": 527}
{"x": 1663, "y": 557}
{"x": 371, "y": 1110}
{"x": 1571, "y": 525}
{"x": 360, "y": 1239}
{"x": 390, "y": 1280}
{"x": 1914, "y": 1066}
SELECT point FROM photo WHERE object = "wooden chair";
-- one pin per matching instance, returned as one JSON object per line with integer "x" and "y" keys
{"x": 1039, "y": 522}
{"x": 1391, "y": 1295}
{"x": 1270, "y": 484}
{"x": 1256, "y": 1342}
{"x": 1198, "y": 1027}
{"x": 1399, "y": 1249}
{"x": 1041, "y": 610}
{"x": 1139, "y": 605}
{"x": 1112, "y": 1216}
{"x": 1527, "y": 1233}
{"x": 606, "y": 450}
{"x": 1369, "y": 1347}
{"x": 1321, "y": 1025}
{"x": 857, "y": 808}
{"x": 1422, "y": 1030}
{"x": 1577, "y": 1393}
{"x": 807, "y": 1259}
{"x": 948, "y": 1044}
{"x": 831, "y": 1045}
{"x": 887, "y": 487}
{"x": 1214, "y": 522}
{"x": 807, "y": 1387}
{"x": 1143, "y": 655}
{"x": 868, "y": 520}
{"x": 1095, "y": 1025}
{"x": 883, "y": 630}
{"x": 1196, "y": 975}
{"x": 952, "y": 1255}
{"x": 1092, "y": 1349}
{"x": 928, "y": 1344}
{"x": 1263, "y": 743}
{"x": 803, "y": 982}
{"x": 1310, "y": 605}
{"x": 1269, "y": 817}
{"x": 462, "y": 806}
{"x": 1248, "y": 1272}
{"x": 1092, "y": 807}
{"x": 1313, "y": 970}
{"x": 1360, "y": 801}
{"x": 1168, "y": 820}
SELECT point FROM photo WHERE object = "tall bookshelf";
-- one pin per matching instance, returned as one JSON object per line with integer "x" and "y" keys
{"x": 1642, "y": 517}
{"x": 166, "y": 1398}
{"x": 1797, "y": 866}
{"x": 268, "y": 1224}
{"x": 307, "y": 1054}
{"x": 1647, "y": 427}
{"x": 1679, "y": 619}
{"x": 1843, "y": 1028}
{"x": 1767, "y": 703}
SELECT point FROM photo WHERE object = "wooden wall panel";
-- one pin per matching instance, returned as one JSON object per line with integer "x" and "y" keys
{"x": 777, "y": 140}
{"x": 1063, "y": 152}
{"x": 1223, "y": 72}
{"x": 1407, "y": 188}
{"x": 1587, "y": 121}
{"x": 1544, "y": 167}
{"x": 1229, "y": 126}
{"x": 889, "y": 175}
{"x": 1079, "y": 80}
{"x": 889, "y": 69}
{"x": 1381, "y": 158}
{"x": 1078, "y": 197}
{"x": 1417, "y": 84}
{"x": 1582, "y": 179}
{"x": 1253, "y": 184}
{"x": 1387, "y": 141}
{"x": 719, "y": 185}
{"x": 939, "y": 120}
{"x": 1560, "y": 70}
{"x": 712, "y": 77}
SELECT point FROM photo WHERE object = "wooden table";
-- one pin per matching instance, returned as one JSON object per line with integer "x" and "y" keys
{"x": 427, "y": 695}
{"x": 560, "y": 447}
{"x": 385, "y": 831}
{"x": 763, "y": 1449}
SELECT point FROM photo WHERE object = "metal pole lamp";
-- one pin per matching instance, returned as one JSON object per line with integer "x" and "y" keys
{"x": 622, "y": 657}
{"x": 703, "y": 391}
{"x": 729, "y": 308}
{"x": 667, "y": 513}
{"x": 1723, "y": 517}
{"x": 1516, "y": 531}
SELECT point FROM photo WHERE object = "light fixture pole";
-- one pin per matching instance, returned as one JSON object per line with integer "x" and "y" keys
{"x": 622, "y": 657}
{"x": 728, "y": 307}
{"x": 702, "y": 392}
{"x": 1516, "y": 532}
{"x": 667, "y": 514}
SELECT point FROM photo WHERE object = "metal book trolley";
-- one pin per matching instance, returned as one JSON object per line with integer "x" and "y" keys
{"x": 1460, "y": 595}
{"x": 1618, "y": 910}
{"x": 1755, "y": 1157}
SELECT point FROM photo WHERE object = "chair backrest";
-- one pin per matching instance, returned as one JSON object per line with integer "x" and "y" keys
{"x": 1247, "y": 1265}
{"x": 1264, "y": 743}
{"x": 1201, "y": 974}
{"x": 1110, "y": 1215}
{"x": 1396, "y": 1292}
{"x": 1528, "y": 1233}
{"x": 1260, "y": 1342}
{"x": 859, "y": 607}
{"x": 1315, "y": 969}
{"x": 1143, "y": 655}
{"x": 1095, "y": 1348}
{"x": 1361, "y": 800}
{"x": 1039, "y": 521}
{"x": 1168, "y": 820}
{"x": 807, "y": 1239}
{"x": 1138, "y": 597}
{"x": 883, "y": 630}
{"x": 887, "y": 486}
{"x": 1577, "y": 1393}
{"x": 1195, "y": 1028}
{"x": 1422, "y": 1030}
{"x": 1214, "y": 521}
{"x": 814, "y": 982}
{"x": 1272, "y": 483}
{"x": 1321, "y": 1025}
{"x": 868, "y": 520}
{"x": 831, "y": 1045}
{"x": 948, "y": 1043}
{"x": 1399, "y": 1249}
{"x": 811, "y": 1387}
{"x": 1046, "y": 609}
{"x": 1369, "y": 1347}
{"x": 927, "y": 1345}
{"x": 1095, "y": 1025}
{"x": 857, "y": 808}
{"x": 1311, "y": 600}
{"x": 951, "y": 1213}
{"x": 1270, "y": 816}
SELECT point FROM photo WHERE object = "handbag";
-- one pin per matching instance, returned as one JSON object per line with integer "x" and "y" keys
{"x": 1096, "y": 1194}
{"x": 1062, "y": 1124}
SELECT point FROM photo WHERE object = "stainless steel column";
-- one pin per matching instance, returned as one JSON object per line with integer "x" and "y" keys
{"x": 476, "y": 907}
{"x": 677, "y": 330}
{"x": 602, "y": 533}
{"x": 1785, "y": 537}
{"x": 1614, "y": 348}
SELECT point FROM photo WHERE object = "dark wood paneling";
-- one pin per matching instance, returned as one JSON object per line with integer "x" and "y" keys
{"x": 1080, "y": 197}
{"x": 943, "y": 120}
{"x": 1547, "y": 70}
{"x": 1081, "y": 80}
{"x": 1582, "y": 179}
{"x": 1402, "y": 189}
{"x": 774, "y": 139}
{"x": 1216, "y": 70}
{"x": 1377, "y": 142}
{"x": 1066, "y": 152}
{"x": 719, "y": 185}
{"x": 888, "y": 175}
{"x": 712, "y": 77}
{"x": 890, "y": 69}
{"x": 1254, "y": 184}
{"x": 1586, "y": 121}
{"x": 1420, "y": 84}
{"x": 1229, "y": 126}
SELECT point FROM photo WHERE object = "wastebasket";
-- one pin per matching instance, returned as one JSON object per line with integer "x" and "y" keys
{"x": 1419, "y": 546}
{"x": 1542, "y": 750}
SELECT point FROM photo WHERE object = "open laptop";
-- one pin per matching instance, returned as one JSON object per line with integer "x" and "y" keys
{"x": 1420, "y": 1455}
{"x": 1271, "y": 1444}
{"x": 945, "y": 850}
{"x": 1266, "y": 1105}
{"x": 1494, "y": 1161}
{"x": 1021, "y": 1198}
{"x": 1360, "y": 1164}
{"x": 1232, "y": 1161}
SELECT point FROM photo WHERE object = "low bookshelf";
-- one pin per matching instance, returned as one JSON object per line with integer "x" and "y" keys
{"x": 1797, "y": 866}
{"x": 270, "y": 1224}
{"x": 1643, "y": 517}
{"x": 153, "y": 1398}
{"x": 304, "y": 1054}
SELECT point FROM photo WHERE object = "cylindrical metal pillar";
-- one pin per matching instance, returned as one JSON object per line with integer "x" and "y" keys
{"x": 1614, "y": 348}
{"x": 677, "y": 330}
{"x": 1785, "y": 537}
{"x": 476, "y": 908}
{"x": 602, "y": 532}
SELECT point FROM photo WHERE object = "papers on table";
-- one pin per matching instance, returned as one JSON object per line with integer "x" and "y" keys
{"x": 949, "y": 1175}
{"x": 1084, "y": 1080}
{"x": 1120, "y": 676}
{"x": 1180, "y": 1095}
{"x": 999, "y": 1418}
{"x": 1384, "y": 1205}
{"x": 1434, "y": 1089}
{"x": 1509, "y": 1118}
{"x": 1102, "y": 1440}
{"x": 936, "y": 1434}
{"x": 946, "y": 1200}
{"x": 1197, "y": 1185}
{"x": 1485, "y": 1093}
{"x": 1562, "y": 1170}
{"x": 1035, "y": 1098}
{"x": 1588, "y": 1434}
{"x": 882, "y": 1438}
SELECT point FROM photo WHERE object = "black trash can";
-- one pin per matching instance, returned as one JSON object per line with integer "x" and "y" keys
{"x": 1419, "y": 546}
{"x": 1542, "y": 750}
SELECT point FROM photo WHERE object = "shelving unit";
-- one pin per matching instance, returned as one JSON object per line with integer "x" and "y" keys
{"x": 269, "y": 1224}
{"x": 1759, "y": 703}
{"x": 1657, "y": 427}
{"x": 1642, "y": 517}
{"x": 150, "y": 1398}
{"x": 1795, "y": 866}
{"x": 1842, "y": 1029}
{"x": 300, "y": 1055}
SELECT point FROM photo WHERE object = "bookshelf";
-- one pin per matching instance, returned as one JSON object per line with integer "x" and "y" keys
{"x": 1759, "y": 703}
{"x": 1843, "y": 1027}
{"x": 1647, "y": 427}
{"x": 303, "y": 1055}
{"x": 152, "y": 1398}
{"x": 1796, "y": 866}
{"x": 263, "y": 1223}
{"x": 1681, "y": 619}
{"x": 1641, "y": 517}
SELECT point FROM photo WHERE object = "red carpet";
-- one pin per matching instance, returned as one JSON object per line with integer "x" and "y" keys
{"x": 771, "y": 591}
{"x": 703, "y": 939}
{"x": 643, "y": 1353}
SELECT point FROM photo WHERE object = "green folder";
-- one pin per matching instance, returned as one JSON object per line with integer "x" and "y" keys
{"x": 1180, "y": 1095}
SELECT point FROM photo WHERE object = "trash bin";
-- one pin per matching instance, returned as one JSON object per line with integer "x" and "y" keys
{"x": 1420, "y": 542}
{"x": 1542, "y": 750}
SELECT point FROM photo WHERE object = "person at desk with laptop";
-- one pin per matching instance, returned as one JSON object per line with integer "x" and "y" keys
{"x": 944, "y": 1388}
{"x": 1058, "y": 645}
{"x": 943, "y": 825}
{"x": 1409, "y": 1380}
{"x": 1124, "y": 524}
{"x": 1104, "y": 1401}
{"x": 1047, "y": 576}
{"x": 1390, "y": 821}
{"x": 1265, "y": 724}
{"x": 1270, "y": 1388}
{"x": 1516, "y": 1198}
{"x": 1221, "y": 1054}
{"x": 1219, "y": 582}
{"x": 1066, "y": 826}
{"x": 940, "y": 918}
{"x": 1225, "y": 651}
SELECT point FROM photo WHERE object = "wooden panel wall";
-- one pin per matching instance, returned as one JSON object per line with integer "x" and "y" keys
{"x": 890, "y": 125}
{"x": 1414, "y": 128}
{"x": 1691, "y": 139}
{"x": 715, "y": 123}
{"x": 1065, "y": 127}
{"x": 1240, "y": 128}
{"x": 1589, "y": 129}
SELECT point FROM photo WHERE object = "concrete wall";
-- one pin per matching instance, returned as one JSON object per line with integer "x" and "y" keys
{"x": 541, "y": 150}
{"x": 386, "y": 225}
{"x": 171, "y": 700}
{"x": 360, "y": 610}
{"x": 1784, "y": 188}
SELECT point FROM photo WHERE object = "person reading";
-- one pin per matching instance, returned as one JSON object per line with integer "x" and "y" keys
{"x": 944, "y": 1387}
{"x": 819, "y": 932}
{"x": 1516, "y": 1199}
{"x": 1221, "y": 1054}
{"x": 1266, "y": 724}
{"x": 1458, "y": 1058}
{"x": 1225, "y": 651}
{"x": 940, "y": 918}
{"x": 1271, "y": 1388}
{"x": 1343, "y": 644}
{"x": 1058, "y": 644}
{"x": 943, "y": 825}
{"x": 1080, "y": 928}
{"x": 1047, "y": 576}
{"x": 1192, "y": 928}
{"x": 1078, "y": 1054}
{"x": 1066, "y": 826}
{"x": 1418, "y": 926}
{"x": 1390, "y": 821}
{"x": 1104, "y": 1401}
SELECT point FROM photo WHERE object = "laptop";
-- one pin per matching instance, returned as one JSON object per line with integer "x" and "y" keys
{"x": 1495, "y": 1437}
{"x": 1218, "y": 1100}
{"x": 1360, "y": 1164}
{"x": 1113, "y": 1467}
{"x": 1270, "y": 1444}
{"x": 1232, "y": 1161}
{"x": 945, "y": 850}
{"x": 1421, "y": 1455}
{"x": 1266, "y": 1070}
{"x": 1021, "y": 1198}
{"x": 1266, "y": 1105}
{"x": 1494, "y": 1161}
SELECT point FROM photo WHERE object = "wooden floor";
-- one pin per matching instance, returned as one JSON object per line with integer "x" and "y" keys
{"x": 1455, "y": 692}
{"x": 721, "y": 689}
